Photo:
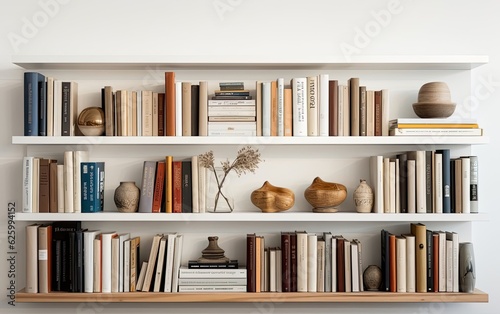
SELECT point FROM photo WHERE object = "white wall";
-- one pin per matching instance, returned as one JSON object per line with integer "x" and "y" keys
{"x": 239, "y": 27}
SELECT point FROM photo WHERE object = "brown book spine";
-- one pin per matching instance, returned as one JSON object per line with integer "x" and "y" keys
{"x": 44, "y": 259}
{"x": 251, "y": 280}
{"x": 186, "y": 109}
{"x": 159, "y": 183}
{"x": 419, "y": 231}
{"x": 288, "y": 114}
{"x": 333, "y": 109}
{"x": 44, "y": 186}
{"x": 362, "y": 110}
{"x": 177, "y": 186}
{"x": 170, "y": 103}
{"x": 340, "y": 265}
{"x": 392, "y": 263}
{"x": 168, "y": 184}
{"x": 435, "y": 261}
{"x": 258, "y": 270}
{"x": 161, "y": 114}
{"x": 378, "y": 113}
{"x": 53, "y": 186}
{"x": 274, "y": 108}
{"x": 286, "y": 269}
{"x": 354, "y": 104}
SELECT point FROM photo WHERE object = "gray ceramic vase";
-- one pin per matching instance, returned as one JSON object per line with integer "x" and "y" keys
{"x": 467, "y": 267}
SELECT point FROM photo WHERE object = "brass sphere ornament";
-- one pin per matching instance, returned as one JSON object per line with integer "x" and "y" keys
{"x": 91, "y": 121}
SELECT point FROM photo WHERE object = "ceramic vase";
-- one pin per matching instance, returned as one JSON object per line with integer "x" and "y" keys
{"x": 127, "y": 197}
{"x": 363, "y": 197}
{"x": 467, "y": 267}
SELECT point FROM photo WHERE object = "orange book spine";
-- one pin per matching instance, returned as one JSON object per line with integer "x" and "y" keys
{"x": 177, "y": 186}
{"x": 170, "y": 103}
{"x": 392, "y": 263}
{"x": 158, "y": 190}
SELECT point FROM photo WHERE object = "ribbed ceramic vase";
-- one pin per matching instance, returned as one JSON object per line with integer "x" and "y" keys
{"x": 127, "y": 197}
{"x": 467, "y": 267}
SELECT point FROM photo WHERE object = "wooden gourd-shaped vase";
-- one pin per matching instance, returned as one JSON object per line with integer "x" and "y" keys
{"x": 325, "y": 197}
{"x": 272, "y": 199}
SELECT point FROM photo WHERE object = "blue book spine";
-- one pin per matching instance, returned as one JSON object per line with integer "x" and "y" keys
{"x": 31, "y": 80}
{"x": 42, "y": 107}
{"x": 86, "y": 169}
{"x": 446, "y": 180}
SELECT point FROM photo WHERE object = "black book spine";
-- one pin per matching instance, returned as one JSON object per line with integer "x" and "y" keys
{"x": 452, "y": 186}
{"x": 56, "y": 265}
{"x": 79, "y": 261}
{"x": 403, "y": 184}
{"x": 386, "y": 280}
{"x": 187, "y": 193}
{"x": 195, "y": 109}
{"x": 66, "y": 110}
{"x": 446, "y": 180}
{"x": 42, "y": 107}
{"x": 293, "y": 261}
{"x": 71, "y": 278}
{"x": 430, "y": 265}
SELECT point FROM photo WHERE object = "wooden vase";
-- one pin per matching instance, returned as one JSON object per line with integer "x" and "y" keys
{"x": 272, "y": 199}
{"x": 325, "y": 196}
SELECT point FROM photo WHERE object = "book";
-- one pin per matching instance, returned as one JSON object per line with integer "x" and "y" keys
{"x": 68, "y": 182}
{"x": 203, "y": 109}
{"x": 106, "y": 260}
{"x": 411, "y": 186}
{"x": 436, "y": 132}
{"x": 62, "y": 263}
{"x": 88, "y": 259}
{"x": 147, "y": 112}
{"x": 153, "y": 254}
{"x": 410, "y": 262}
{"x": 466, "y": 203}
{"x": 437, "y": 184}
{"x": 186, "y": 109}
{"x": 324, "y": 106}
{"x": 159, "y": 182}
{"x": 69, "y": 108}
{"x": 147, "y": 187}
{"x": 177, "y": 186}
{"x": 299, "y": 106}
{"x": 401, "y": 264}
{"x": 286, "y": 284}
{"x": 170, "y": 103}
{"x": 362, "y": 111}
{"x": 231, "y": 97}
{"x": 385, "y": 112}
{"x": 288, "y": 113}
{"x": 302, "y": 261}
{"x": 392, "y": 263}
{"x": 186, "y": 186}
{"x": 458, "y": 185}
{"x": 96, "y": 265}
{"x": 135, "y": 246}
{"x": 241, "y": 288}
{"x": 142, "y": 275}
{"x": 32, "y": 80}
{"x": 79, "y": 156}
{"x": 28, "y": 169}
{"x": 312, "y": 106}
{"x": 53, "y": 187}
{"x": 251, "y": 262}
{"x": 229, "y": 264}
{"x": 446, "y": 179}
{"x": 178, "y": 243}
{"x": 432, "y": 122}
{"x": 454, "y": 267}
{"x": 266, "y": 108}
{"x": 474, "y": 174}
{"x": 159, "y": 264}
{"x": 42, "y": 108}
{"x": 212, "y": 282}
{"x": 122, "y": 237}
{"x": 355, "y": 267}
{"x": 109, "y": 111}
{"x": 403, "y": 184}
{"x": 44, "y": 258}
{"x": 347, "y": 266}
{"x": 60, "y": 189}
{"x": 327, "y": 236}
{"x": 341, "y": 273}
{"x": 178, "y": 108}
{"x": 92, "y": 178}
{"x": 333, "y": 111}
{"x": 419, "y": 231}
{"x": 280, "y": 89}
{"x": 161, "y": 115}
{"x": 430, "y": 259}
{"x": 353, "y": 84}
{"x": 126, "y": 267}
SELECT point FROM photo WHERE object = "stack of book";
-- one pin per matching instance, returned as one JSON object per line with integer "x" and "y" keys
{"x": 212, "y": 280}
{"x": 232, "y": 111}
{"x": 435, "y": 127}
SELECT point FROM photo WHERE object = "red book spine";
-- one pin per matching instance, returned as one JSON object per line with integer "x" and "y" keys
{"x": 170, "y": 103}
{"x": 158, "y": 190}
{"x": 340, "y": 265}
{"x": 177, "y": 186}
{"x": 161, "y": 114}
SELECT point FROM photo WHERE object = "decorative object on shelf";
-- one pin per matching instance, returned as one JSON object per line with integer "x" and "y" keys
{"x": 363, "y": 197}
{"x": 325, "y": 196}
{"x": 127, "y": 197}
{"x": 467, "y": 267}
{"x": 372, "y": 278}
{"x": 272, "y": 199}
{"x": 213, "y": 253}
{"x": 247, "y": 159}
{"x": 91, "y": 121}
{"x": 434, "y": 101}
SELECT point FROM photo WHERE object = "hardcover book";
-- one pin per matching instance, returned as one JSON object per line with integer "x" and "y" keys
{"x": 32, "y": 80}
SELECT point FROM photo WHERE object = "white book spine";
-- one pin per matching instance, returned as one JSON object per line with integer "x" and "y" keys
{"x": 320, "y": 268}
{"x": 449, "y": 266}
{"x": 177, "y": 262}
{"x": 456, "y": 282}
{"x": 185, "y": 272}
{"x": 79, "y": 156}
{"x": 324, "y": 106}
{"x": 466, "y": 185}
{"x": 169, "y": 263}
{"x": 474, "y": 181}
{"x": 392, "y": 187}
{"x": 328, "y": 261}
{"x": 178, "y": 108}
{"x": 410, "y": 264}
{"x": 421, "y": 182}
{"x": 411, "y": 180}
{"x": 401, "y": 264}
{"x": 266, "y": 109}
{"x": 212, "y": 282}
{"x": 121, "y": 260}
{"x": 60, "y": 188}
{"x": 302, "y": 267}
{"x": 147, "y": 113}
{"x": 281, "y": 106}
{"x": 88, "y": 261}
{"x": 377, "y": 181}
{"x": 68, "y": 182}
{"x": 385, "y": 112}
{"x": 398, "y": 195}
{"x": 442, "y": 262}
{"x": 139, "y": 113}
{"x": 312, "y": 106}
{"x": 106, "y": 262}
{"x": 159, "y": 264}
{"x": 126, "y": 266}
{"x": 334, "y": 264}
{"x": 438, "y": 183}
{"x": 347, "y": 265}
{"x": 27, "y": 184}
{"x": 212, "y": 288}
{"x": 299, "y": 106}
{"x": 312, "y": 256}
{"x": 387, "y": 185}
{"x": 354, "y": 268}
{"x": 195, "y": 184}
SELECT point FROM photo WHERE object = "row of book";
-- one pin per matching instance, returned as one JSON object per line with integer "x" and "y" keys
{"x": 305, "y": 262}
{"x": 308, "y": 106}
{"x": 64, "y": 257}
{"x": 425, "y": 182}
{"x": 421, "y": 260}
{"x": 451, "y": 126}
{"x": 76, "y": 185}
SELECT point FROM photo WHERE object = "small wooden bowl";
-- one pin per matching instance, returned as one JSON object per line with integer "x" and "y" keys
{"x": 325, "y": 196}
{"x": 272, "y": 199}
{"x": 434, "y": 110}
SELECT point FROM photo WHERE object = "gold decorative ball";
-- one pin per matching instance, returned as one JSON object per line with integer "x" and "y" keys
{"x": 91, "y": 121}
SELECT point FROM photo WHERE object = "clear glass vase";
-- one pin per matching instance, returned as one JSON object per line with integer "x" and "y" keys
{"x": 219, "y": 196}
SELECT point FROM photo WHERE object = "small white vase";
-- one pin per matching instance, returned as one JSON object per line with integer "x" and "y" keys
{"x": 363, "y": 197}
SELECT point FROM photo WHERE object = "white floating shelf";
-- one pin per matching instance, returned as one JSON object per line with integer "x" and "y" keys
{"x": 249, "y": 217}
{"x": 123, "y": 62}
{"x": 257, "y": 140}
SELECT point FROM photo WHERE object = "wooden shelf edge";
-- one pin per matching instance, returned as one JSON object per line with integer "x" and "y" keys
{"x": 244, "y": 297}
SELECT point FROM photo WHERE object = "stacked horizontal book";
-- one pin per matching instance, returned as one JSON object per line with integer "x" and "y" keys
{"x": 434, "y": 127}
{"x": 212, "y": 280}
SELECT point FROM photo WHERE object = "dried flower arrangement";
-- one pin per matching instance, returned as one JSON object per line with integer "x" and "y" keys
{"x": 247, "y": 160}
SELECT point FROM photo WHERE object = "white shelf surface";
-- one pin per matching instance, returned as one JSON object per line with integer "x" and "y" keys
{"x": 250, "y": 217}
{"x": 124, "y": 62}
{"x": 257, "y": 140}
